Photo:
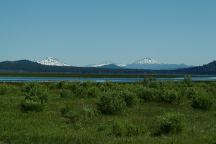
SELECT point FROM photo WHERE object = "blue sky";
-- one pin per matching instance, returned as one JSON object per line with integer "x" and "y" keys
{"x": 81, "y": 32}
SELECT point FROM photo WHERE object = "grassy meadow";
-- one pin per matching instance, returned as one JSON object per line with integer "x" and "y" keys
{"x": 150, "y": 112}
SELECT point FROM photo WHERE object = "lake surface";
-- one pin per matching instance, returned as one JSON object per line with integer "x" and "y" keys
{"x": 56, "y": 79}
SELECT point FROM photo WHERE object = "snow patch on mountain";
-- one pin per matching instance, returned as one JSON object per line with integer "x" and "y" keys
{"x": 106, "y": 63}
{"x": 102, "y": 64}
{"x": 146, "y": 61}
{"x": 51, "y": 61}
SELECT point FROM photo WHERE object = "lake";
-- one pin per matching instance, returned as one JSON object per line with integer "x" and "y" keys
{"x": 56, "y": 79}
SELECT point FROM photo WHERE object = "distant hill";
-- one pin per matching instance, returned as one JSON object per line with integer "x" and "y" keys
{"x": 29, "y": 66}
{"x": 149, "y": 63}
{"x": 205, "y": 69}
{"x": 20, "y": 66}
{"x": 157, "y": 66}
{"x": 145, "y": 63}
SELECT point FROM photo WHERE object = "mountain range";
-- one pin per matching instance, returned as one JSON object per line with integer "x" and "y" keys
{"x": 145, "y": 63}
{"x": 31, "y": 66}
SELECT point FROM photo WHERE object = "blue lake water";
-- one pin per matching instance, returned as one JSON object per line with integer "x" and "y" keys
{"x": 56, "y": 79}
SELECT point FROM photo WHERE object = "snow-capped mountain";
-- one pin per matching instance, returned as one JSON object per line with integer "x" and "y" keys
{"x": 106, "y": 63}
{"x": 146, "y": 61}
{"x": 149, "y": 63}
{"x": 51, "y": 61}
{"x": 102, "y": 64}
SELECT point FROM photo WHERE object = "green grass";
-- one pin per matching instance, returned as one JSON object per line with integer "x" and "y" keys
{"x": 51, "y": 127}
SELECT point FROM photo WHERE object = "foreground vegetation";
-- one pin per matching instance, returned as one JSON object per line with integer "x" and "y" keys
{"x": 114, "y": 113}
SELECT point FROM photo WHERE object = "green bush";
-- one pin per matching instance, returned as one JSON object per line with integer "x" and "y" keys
{"x": 202, "y": 101}
{"x": 35, "y": 97}
{"x": 156, "y": 85}
{"x": 129, "y": 97}
{"x": 107, "y": 86}
{"x": 124, "y": 129}
{"x": 7, "y": 88}
{"x": 93, "y": 92}
{"x": 170, "y": 96}
{"x": 169, "y": 123}
{"x": 84, "y": 115}
{"x": 61, "y": 85}
{"x": 3, "y": 89}
{"x": 118, "y": 129}
{"x": 27, "y": 106}
{"x": 80, "y": 91}
{"x": 66, "y": 94}
{"x": 132, "y": 130}
{"x": 148, "y": 94}
{"x": 111, "y": 103}
{"x": 35, "y": 92}
{"x": 148, "y": 80}
{"x": 188, "y": 80}
{"x": 189, "y": 92}
{"x": 88, "y": 113}
{"x": 72, "y": 86}
{"x": 69, "y": 114}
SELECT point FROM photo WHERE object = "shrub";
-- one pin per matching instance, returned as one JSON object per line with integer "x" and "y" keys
{"x": 121, "y": 129}
{"x": 129, "y": 98}
{"x": 169, "y": 123}
{"x": 189, "y": 92}
{"x": 147, "y": 94}
{"x": 170, "y": 96}
{"x": 35, "y": 92}
{"x": 88, "y": 113}
{"x": 69, "y": 114}
{"x": 118, "y": 129}
{"x": 93, "y": 92}
{"x": 148, "y": 80}
{"x": 85, "y": 115}
{"x": 3, "y": 89}
{"x": 156, "y": 84}
{"x": 66, "y": 94}
{"x": 31, "y": 106}
{"x": 73, "y": 86}
{"x": 6, "y": 88}
{"x": 111, "y": 103}
{"x": 35, "y": 97}
{"x": 188, "y": 80}
{"x": 108, "y": 85}
{"x": 202, "y": 101}
{"x": 87, "y": 84}
{"x": 132, "y": 130}
{"x": 80, "y": 91}
{"x": 61, "y": 85}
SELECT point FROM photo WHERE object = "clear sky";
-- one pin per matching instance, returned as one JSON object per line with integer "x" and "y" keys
{"x": 81, "y": 32}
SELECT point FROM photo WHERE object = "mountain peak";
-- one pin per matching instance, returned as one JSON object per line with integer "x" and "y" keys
{"x": 103, "y": 64}
{"x": 106, "y": 63}
{"x": 52, "y": 61}
{"x": 146, "y": 61}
